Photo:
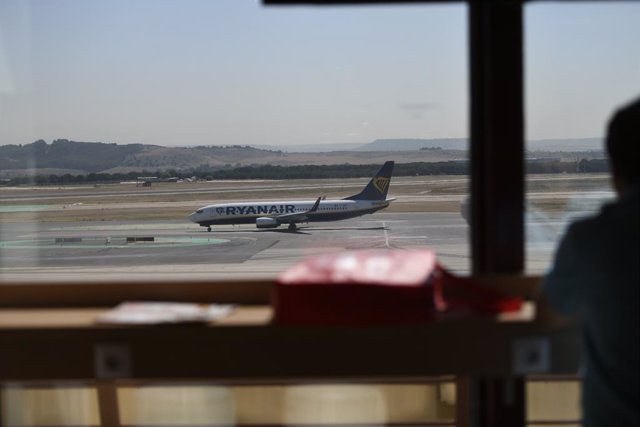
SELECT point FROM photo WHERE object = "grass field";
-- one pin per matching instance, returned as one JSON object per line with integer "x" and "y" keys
{"x": 164, "y": 201}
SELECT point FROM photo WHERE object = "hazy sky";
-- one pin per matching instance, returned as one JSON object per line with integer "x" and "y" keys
{"x": 186, "y": 72}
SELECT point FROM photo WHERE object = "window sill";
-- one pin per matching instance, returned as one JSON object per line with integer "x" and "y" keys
{"x": 55, "y": 343}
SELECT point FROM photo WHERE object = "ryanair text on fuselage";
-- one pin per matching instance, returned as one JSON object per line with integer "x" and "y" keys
{"x": 252, "y": 210}
{"x": 273, "y": 214}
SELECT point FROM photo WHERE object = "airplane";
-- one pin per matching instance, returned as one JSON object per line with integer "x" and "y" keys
{"x": 276, "y": 213}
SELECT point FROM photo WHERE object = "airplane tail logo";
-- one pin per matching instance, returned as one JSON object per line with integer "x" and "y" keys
{"x": 381, "y": 183}
{"x": 378, "y": 186}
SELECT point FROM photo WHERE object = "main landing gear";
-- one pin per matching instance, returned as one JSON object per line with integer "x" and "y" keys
{"x": 292, "y": 227}
{"x": 209, "y": 228}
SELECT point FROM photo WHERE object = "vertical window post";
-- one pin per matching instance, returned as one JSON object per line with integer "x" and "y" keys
{"x": 497, "y": 182}
{"x": 497, "y": 136}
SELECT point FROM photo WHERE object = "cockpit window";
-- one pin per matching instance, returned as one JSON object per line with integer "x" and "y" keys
{"x": 200, "y": 211}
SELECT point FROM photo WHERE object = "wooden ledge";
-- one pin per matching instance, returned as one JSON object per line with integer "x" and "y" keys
{"x": 47, "y": 344}
{"x": 88, "y": 294}
{"x": 246, "y": 292}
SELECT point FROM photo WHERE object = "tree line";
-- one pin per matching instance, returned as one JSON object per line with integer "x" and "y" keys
{"x": 205, "y": 172}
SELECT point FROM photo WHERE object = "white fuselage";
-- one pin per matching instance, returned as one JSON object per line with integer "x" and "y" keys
{"x": 247, "y": 213}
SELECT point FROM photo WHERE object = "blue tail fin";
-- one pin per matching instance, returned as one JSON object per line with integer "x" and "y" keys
{"x": 378, "y": 186}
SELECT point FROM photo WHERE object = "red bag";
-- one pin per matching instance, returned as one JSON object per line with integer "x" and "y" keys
{"x": 375, "y": 287}
{"x": 463, "y": 298}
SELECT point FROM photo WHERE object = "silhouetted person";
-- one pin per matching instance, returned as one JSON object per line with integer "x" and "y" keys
{"x": 596, "y": 273}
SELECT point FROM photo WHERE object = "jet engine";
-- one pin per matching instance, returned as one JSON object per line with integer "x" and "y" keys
{"x": 266, "y": 222}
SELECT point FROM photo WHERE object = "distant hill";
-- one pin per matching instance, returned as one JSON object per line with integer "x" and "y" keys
{"x": 88, "y": 157}
{"x": 94, "y": 157}
{"x": 65, "y": 154}
{"x": 575, "y": 144}
{"x": 190, "y": 157}
{"x": 407, "y": 144}
{"x": 312, "y": 148}
{"x": 410, "y": 144}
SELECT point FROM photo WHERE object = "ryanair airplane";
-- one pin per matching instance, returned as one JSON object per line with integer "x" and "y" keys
{"x": 274, "y": 214}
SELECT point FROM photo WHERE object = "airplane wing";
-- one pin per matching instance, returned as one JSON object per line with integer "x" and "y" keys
{"x": 298, "y": 216}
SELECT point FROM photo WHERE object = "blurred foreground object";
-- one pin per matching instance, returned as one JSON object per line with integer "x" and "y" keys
{"x": 380, "y": 287}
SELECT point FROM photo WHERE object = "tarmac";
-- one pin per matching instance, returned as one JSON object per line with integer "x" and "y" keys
{"x": 96, "y": 241}
{"x": 180, "y": 250}
{"x": 168, "y": 250}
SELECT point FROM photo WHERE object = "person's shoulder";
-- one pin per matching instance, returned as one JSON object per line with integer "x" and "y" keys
{"x": 585, "y": 226}
{"x": 626, "y": 208}
{"x": 586, "y": 229}
{"x": 617, "y": 221}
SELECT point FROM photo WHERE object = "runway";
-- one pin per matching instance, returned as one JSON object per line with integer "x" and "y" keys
{"x": 120, "y": 232}
{"x": 113, "y": 250}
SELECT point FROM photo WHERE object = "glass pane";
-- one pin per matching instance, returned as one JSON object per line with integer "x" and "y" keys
{"x": 549, "y": 400}
{"x": 119, "y": 120}
{"x": 552, "y": 400}
{"x": 157, "y": 403}
{"x": 579, "y": 69}
{"x": 345, "y": 404}
{"x": 49, "y": 405}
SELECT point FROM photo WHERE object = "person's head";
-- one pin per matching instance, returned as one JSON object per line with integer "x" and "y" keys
{"x": 623, "y": 147}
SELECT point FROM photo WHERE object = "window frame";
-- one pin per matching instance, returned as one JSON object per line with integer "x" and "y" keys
{"x": 497, "y": 239}
{"x": 497, "y": 181}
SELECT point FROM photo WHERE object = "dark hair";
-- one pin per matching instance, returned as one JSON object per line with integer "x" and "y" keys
{"x": 623, "y": 143}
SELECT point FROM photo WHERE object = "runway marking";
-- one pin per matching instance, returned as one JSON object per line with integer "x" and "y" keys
{"x": 392, "y": 237}
{"x": 395, "y": 221}
{"x": 23, "y": 208}
{"x": 125, "y": 227}
{"x": 115, "y": 243}
{"x": 386, "y": 235}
